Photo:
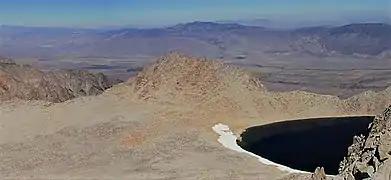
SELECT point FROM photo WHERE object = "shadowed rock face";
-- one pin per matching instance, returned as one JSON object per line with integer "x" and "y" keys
{"x": 24, "y": 82}
{"x": 306, "y": 144}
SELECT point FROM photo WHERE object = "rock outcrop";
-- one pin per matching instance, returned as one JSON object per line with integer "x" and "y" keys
{"x": 319, "y": 174}
{"x": 27, "y": 83}
{"x": 369, "y": 155}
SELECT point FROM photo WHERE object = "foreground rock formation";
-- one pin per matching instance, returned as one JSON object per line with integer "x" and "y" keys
{"x": 158, "y": 125}
{"x": 27, "y": 83}
{"x": 319, "y": 174}
{"x": 369, "y": 156}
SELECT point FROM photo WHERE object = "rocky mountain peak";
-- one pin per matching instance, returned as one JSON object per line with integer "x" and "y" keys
{"x": 178, "y": 74}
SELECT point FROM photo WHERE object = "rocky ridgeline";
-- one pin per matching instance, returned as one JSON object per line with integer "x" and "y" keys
{"x": 369, "y": 155}
{"x": 27, "y": 83}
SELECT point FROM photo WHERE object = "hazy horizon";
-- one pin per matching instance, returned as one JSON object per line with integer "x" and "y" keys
{"x": 149, "y": 13}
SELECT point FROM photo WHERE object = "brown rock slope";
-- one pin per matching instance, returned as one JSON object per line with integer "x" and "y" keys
{"x": 24, "y": 82}
{"x": 158, "y": 125}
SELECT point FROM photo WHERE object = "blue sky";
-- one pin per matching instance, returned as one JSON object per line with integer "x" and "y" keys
{"x": 95, "y": 13}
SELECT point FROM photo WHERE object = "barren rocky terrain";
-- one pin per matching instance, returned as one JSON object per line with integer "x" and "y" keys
{"x": 158, "y": 125}
{"x": 25, "y": 82}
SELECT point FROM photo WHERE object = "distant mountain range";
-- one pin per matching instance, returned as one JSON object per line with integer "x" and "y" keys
{"x": 325, "y": 19}
{"x": 295, "y": 24}
{"x": 209, "y": 39}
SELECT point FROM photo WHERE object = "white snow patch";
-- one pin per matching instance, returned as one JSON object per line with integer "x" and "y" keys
{"x": 228, "y": 140}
